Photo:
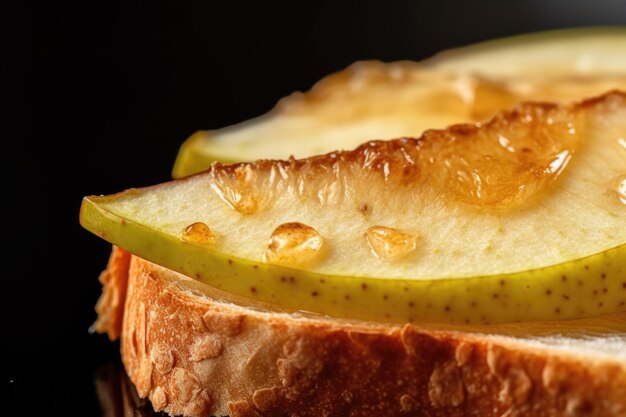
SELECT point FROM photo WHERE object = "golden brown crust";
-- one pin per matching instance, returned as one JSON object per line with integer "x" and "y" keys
{"x": 394, "y": 152}
{"x": 195, "y": 356}
{"x": 465, "y": 163}
{"x": 110, "y": 306}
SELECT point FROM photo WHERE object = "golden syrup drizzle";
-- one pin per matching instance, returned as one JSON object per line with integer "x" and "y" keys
{"x": 498, "y": 165}
{"x": 504, "y": 166}
{"x": 294, "y": 244}
{"x": 199, "y": 233}
{"x": 390, "y": 244}
{"x": 236, "y": 190}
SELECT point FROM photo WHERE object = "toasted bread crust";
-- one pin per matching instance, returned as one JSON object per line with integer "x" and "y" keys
{"x": 195, "y": 356}
{"x": 110, "y": 306}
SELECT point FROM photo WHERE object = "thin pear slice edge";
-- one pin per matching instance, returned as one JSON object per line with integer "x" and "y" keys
{"x": 584, "y": 287}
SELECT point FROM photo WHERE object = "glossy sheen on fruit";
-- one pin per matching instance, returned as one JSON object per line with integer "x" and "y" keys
{"x": 372, "y": 100}
{"x": 489, "y": 250}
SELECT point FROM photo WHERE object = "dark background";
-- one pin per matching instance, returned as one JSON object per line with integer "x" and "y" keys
{"x": 101, "y": 95}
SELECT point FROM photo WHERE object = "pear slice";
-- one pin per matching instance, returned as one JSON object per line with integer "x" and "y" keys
{"x": 550, "y": 54}
{"x": 371, "y": 100}
{"x": 522, "y": 218}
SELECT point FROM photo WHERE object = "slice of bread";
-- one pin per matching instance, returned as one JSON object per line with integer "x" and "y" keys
{"x": 193, "y": 353}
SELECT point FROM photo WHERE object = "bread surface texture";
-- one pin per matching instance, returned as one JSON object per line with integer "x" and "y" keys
{"x": 195, "y": 356}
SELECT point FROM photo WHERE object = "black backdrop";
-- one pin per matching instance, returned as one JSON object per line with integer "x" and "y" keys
{"x": 100, "y": 96}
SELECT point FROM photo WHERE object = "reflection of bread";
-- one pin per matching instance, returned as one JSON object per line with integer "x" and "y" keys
{"x": 117, "y": 395}
{"x": 195, "y": 356}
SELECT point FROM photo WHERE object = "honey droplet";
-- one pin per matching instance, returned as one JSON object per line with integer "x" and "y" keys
{"x": 236, "y": 189}
{"x": 621, "y": 189}
{"x": 390, "y": 244}
{"x": 509, "y": 160}
{"x": 199, "y": 233}
{"x": 294, "y": 244}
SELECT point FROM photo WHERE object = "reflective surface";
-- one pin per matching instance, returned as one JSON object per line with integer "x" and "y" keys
{"x": 117, "y": 395}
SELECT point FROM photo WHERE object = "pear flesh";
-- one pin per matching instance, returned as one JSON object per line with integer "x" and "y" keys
{"x": 372, "y": 100}
{"x": 550, "y": 54}
{"x": 522, "y": 219}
